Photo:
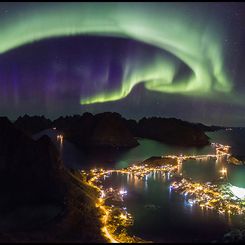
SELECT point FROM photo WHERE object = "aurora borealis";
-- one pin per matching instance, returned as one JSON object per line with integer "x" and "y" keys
{"x": 166, "y": 59}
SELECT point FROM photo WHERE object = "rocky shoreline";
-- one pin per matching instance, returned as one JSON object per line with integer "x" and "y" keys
{"x": 236, "y": 160}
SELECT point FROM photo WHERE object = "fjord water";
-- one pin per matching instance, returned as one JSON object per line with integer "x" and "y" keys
{"x": 77, "y": 159}
{"x": 160, "y": 214}
{"x": 236, "y": 139}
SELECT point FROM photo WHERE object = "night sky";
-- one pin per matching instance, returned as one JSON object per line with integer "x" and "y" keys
{"x": 183, "y": 60}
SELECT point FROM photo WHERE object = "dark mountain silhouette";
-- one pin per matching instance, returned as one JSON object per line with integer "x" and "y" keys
{"x": 111, "y": 129}
{"x": 102, "y": 130}
{"x": 171, "y": 131}
{"x": 30, "y": 171}
{"x": 205, "y": 128}
{"x": 41, "y": 200}
{"x": 32, "y": 124}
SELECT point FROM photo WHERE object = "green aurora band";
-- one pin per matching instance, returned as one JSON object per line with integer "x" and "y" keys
{"x": 193, "y": 40}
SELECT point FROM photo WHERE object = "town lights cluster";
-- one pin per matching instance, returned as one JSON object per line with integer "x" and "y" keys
{"x": 222, "y": 150}
{"x": 210, "y": 196}
{"x": 115, "y": 217}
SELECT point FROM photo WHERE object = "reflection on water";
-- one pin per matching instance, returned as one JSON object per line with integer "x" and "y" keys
{"x": 78, "y": 159}
{"x": 162, "y": 215}
{"x": 235, "y": 138}
{"x": 149, "y": 148}
{"x": 204, "y": 170}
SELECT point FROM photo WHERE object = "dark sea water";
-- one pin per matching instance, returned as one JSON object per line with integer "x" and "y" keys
{"x": 236, "y": 139}
{"x": 172, "y": 219}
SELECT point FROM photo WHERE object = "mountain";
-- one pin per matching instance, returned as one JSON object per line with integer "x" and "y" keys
{"x": 32, "y": 124}
{"x": 41, "y": 200}
{"x": 205, "y": 128}
{"x": 102, "y": 130}
{"x": 111, "y": 130}
{"x": 30, "y": 171}
{"x": 171, "y": 131}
